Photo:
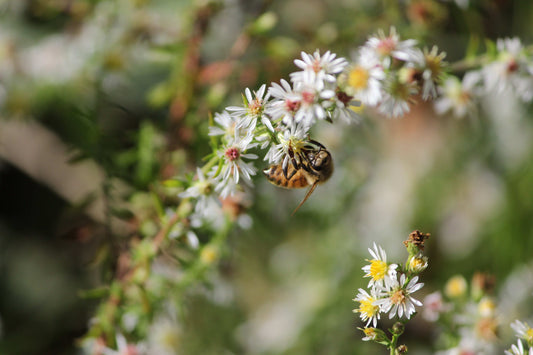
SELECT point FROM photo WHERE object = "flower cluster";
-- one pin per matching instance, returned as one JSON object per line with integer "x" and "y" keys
{"x": 469, "y": 320}
{"x": 391, "y": 289}
{"x": 507, "y": 67}
{"x": 388, "y": 73}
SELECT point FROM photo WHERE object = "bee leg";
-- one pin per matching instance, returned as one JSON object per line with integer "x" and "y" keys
{"x": 295, "y": 164}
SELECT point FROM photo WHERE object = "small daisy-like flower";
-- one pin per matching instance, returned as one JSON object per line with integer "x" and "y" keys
{"x": 200, "y": 189}
{"x": 346, "y": 108}
{"x": 389, "y": 47}
{"x": 458, "y": 96}
{"x": 380, "y": 272}
{"x": 364, "y": 78}
{"x": 398, "y": 299}
{"x": 370, "y": 334}
{"x": 234, "y": 166}
{"x": 432, "y": 71}
{"x": 286, "y": 101}
{"x": 374, "y": 334}
{"x": 523, "y": 331}
{"x": 519, "y": 349}
{"x": 325, "y": 67}
{"x": 509, "y": 70}
{"x": 433, "y": 306}
{"x": 303, "y": 104}
{"x": 368, "y": 310}
{"x": 254, "y": 107}
{"x": 227, "y": 125}
{"x": 396, "y": 98}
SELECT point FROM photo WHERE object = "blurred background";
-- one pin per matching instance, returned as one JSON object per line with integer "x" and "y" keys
{"x": 101, "y": 100}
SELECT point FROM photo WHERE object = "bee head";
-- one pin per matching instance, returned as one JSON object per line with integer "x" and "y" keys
{"x": 320, "y": 159}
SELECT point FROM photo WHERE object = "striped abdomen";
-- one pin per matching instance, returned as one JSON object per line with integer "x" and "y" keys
{"x": 299, "y": 179}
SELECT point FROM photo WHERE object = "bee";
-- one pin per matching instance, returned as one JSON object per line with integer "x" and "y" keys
{"x": 309, "y": 166}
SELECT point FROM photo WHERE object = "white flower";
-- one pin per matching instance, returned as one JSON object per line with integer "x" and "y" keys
{"x": 398, "y": 299}
{"x": 368, "y": 310}
{"x": 345, "y": 107}
{"x": 396, "y": 98}
{"x": 287, "y": 102}
{"x": 325, "y": 67}
{"x": 510, "y": 70}
{"x": 227, "y": 123}
{"x": 364, "y": 78}
{"x": 255, "y": 106}
{"x": 523, "y": 330}
{"x": 434, "y": 306}
{"x": 459, "y": 96}
{"x": 389, "y": 47}
{"x": 234, "y": 166}
{"x": 290, "y": 140}
{"x": 519, "y": 350}
{"x": 380, "y": 272}
{"x": 431, "y": 66}
{"x": 305, "y": 103}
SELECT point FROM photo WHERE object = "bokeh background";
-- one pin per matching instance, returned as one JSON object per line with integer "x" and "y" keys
{"x": 101, "y": 100}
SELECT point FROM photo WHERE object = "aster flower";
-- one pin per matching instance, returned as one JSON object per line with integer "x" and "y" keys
{"x": 458, "y": 96}
{"x": 291, "y": 142}
{"x": 390, "y": 47}
{"x": 433, "y": 306}
{"x": 363, "y": 79}
{"x": 233, "y": 165}
{"x": 368, "y": 310}
{"x": 396, "y": 97}
{"x": 201, "y": 190}
{"x": 325, "y": 67}
{"x": 345, "y": 107}
{"x": 286, "y": 101}
{"x": 398, "y": 299}
{"x": 380, "y": 272}
{"x": 509, "y": 70}
{"x": 523, "y": 331}
{"x": 519, "y": 349}
{"x": 226, "y": 125}
{"x": 431, "y": 66}
{"x": 305, "y": 103}
{"x": 254, "y": 107}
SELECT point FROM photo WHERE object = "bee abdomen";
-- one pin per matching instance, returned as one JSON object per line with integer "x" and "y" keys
{"x": 275, "y": 175}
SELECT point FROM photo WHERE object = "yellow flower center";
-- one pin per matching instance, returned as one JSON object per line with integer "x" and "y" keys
{"x": 358, "y": 78}
{"x": 370, "y": 333}
{"x": 368, "y": 307}
{"x": 378, "y": 269}
{"x": 529, "y": 335}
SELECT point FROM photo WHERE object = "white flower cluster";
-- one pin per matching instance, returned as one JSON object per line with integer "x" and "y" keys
{"x": 508, "y": 68}
{"x": 278, "y": 120}
{"x": 391, "y": 291}
{"x": 387, "y": 74}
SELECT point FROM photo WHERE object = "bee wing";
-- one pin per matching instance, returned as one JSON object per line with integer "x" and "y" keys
{"x": 309, "y": 192}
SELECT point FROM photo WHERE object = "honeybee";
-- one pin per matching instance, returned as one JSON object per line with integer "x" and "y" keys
{"x": 310, "y": 166}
